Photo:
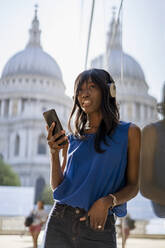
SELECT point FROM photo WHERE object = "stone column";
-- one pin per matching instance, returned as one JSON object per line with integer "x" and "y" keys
{"x": 2, "y": 107}
{"x": 146, "y": 112}
{"x": 125, "y": 115}
{"x": 142, "y": 112}
{"x": 134, "y": 111}
{"x": 22, "y": 148}
{"x": 121, "y": 110}
{"x": 30, "y": 143}
{"x": 19, "y": 106}
{"x": 10, "y": 107}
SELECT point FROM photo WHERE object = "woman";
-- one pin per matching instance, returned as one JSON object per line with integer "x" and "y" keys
{"x": 101, "y": 173}
{"x": 152, "y": 170}
{"x": 40, "y": 217}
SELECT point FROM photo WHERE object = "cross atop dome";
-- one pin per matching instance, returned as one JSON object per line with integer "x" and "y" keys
{"x": 114, "y": 33}
{"x": 35, "y": 32}
{"x": 36, "y": 10}
{"x": 113, "y": 12}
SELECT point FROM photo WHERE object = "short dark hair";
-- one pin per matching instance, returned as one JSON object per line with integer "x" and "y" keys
{"x": 109, "y": 107}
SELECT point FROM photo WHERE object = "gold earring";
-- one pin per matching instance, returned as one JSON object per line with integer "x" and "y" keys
{"x": 112, "y": 89}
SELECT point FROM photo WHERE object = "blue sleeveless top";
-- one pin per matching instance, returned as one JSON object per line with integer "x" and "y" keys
{"x": 89, "y": 175}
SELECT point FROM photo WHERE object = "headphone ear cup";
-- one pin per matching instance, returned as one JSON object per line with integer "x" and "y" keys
{"x": 112, "y": 90}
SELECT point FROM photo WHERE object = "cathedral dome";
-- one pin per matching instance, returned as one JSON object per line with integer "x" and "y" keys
{"x": 32, "y": 60}
{"x": 116, "y": 56}
{"x": 131, "y": 68}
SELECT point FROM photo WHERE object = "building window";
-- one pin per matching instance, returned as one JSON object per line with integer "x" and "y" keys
{"x": 152, "y": 112}
{"x": 17, "y": 145}
{"x": 138, "y": 111}
{"x": 129, "y": 111}
{"x": 42, "y": 144}
{"x": 44, "y": 109}
{"x": 146, "y": 111}
{"x": 6, "y": 108}
{"x": 39, "y": 188}
{"x": 24, "y": 101}
{"x": 15, "y": 107}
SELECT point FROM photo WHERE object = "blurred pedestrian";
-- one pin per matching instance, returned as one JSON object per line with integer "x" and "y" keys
{"x": 101, "y": 172}
{"x": 126, "y": 230}
{"x": 128, "y": 224}
{"x": 39, "y": 219}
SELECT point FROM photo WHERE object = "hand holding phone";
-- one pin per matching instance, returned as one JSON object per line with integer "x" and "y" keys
{"x": 51, "y": 116}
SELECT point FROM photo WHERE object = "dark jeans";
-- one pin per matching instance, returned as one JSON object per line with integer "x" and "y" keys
{"x": 65, "y": 230}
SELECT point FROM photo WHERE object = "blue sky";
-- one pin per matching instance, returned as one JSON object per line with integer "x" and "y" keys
{"x": 65, "y": 27}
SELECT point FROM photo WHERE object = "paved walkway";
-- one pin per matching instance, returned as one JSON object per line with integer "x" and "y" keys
{"x": 17, "y": 241}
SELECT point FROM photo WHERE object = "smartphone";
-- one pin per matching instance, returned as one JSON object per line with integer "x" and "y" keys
{"x": 51, "y": 116}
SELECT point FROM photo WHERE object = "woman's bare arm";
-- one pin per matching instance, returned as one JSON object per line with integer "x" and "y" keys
{"x": 132, "y": 172}
{"x": 64, "y": 155}
{"x": 56, "y": 171}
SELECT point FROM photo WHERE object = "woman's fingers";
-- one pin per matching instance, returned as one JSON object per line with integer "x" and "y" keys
{"x": 92, "y": 222}
{"x": 61, "y": 140}
{"x": 103, "y": 224}
{"x": 83, "y": 218}
{"x": 57, "y": 144}
{"x": 57, "y": 135}
{"x": 97, "y": 223}
{"x": 52, "y": 139}
{"x": 50, "y": 130}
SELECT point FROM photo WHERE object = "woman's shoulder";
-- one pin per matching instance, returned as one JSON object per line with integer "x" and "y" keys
{"x": 123, "y": 125}
{"x": 134, "y": 128}
{"x": 129, "y": 125}
{"x": 134, "y": 131}
{"x": 128, "y": 128}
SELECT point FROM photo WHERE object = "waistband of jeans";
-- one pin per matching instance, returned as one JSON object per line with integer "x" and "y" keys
{"x": 68, "y": 208}
{"x": 74, "y": 210}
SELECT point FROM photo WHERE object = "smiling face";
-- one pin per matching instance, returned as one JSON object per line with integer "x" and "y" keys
{"x": 89, "y": 97}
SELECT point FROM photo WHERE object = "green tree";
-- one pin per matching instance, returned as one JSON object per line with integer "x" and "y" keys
{"x": 7, "y": 176}
{"x": 47, "y": 195}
